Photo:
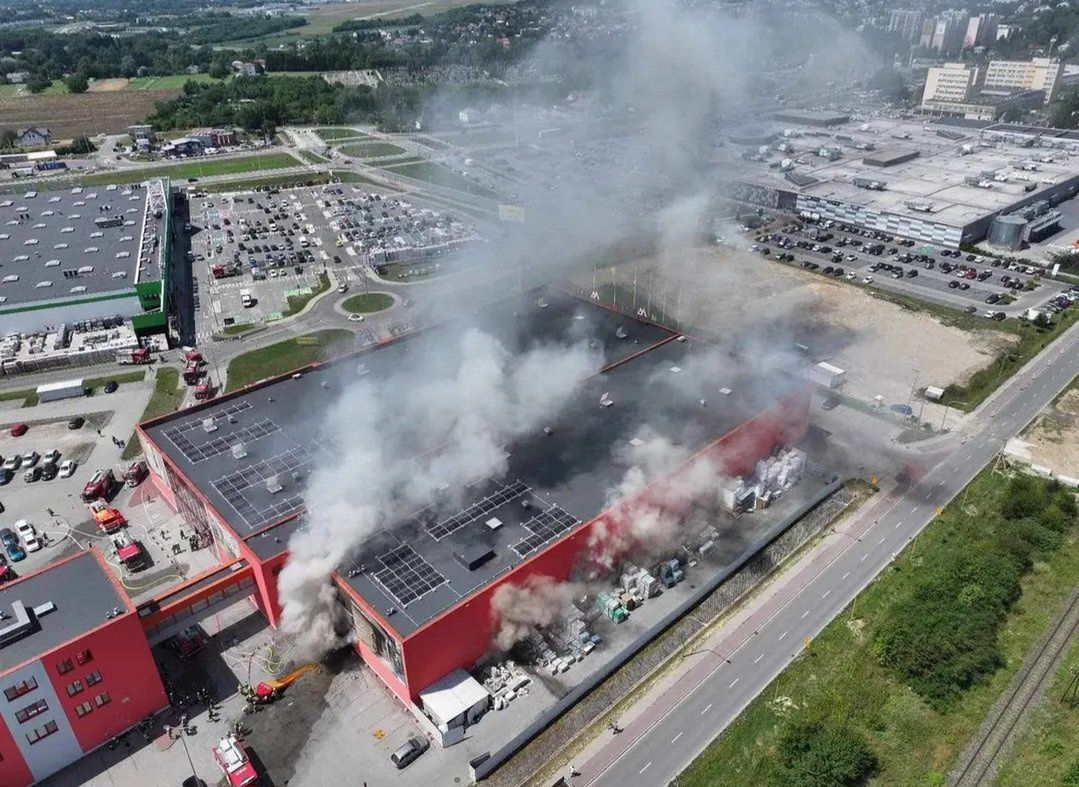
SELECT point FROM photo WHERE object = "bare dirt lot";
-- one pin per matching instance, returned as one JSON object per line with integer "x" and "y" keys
{"x": 1053, "y": 439}
{"x": 69, "y": 115}
{"x": 764, "y": 308}
{"x": 108, "y": 85}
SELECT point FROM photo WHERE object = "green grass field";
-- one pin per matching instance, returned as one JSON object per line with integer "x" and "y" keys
{"x": 297, "y": 302}
{"x": 27, "y": 395}
{"x": 283, "y": 357}
{"x": 196, "y": 169}
{"x": 440, "y": 176}
{"x": 367, "y": 303}
{"x": 238, "y": 329}
{"x": 166, "y": 398}
{"x": 121, "y": 379}
{"x": 370, "y": 149}
{"x": 278, "y": 181}
{"x": 839, "y": 679}
{"x": 1047, "y": 750}
{"x": 170, "y": 82}
{"x": 331, "y": 133}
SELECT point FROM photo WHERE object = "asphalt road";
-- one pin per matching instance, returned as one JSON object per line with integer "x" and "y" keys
{"x": 662, "y": 744}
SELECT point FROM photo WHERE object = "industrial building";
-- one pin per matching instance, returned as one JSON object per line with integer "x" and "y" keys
{"x": 85, "y": 254}
{"x": 76, "y": 667}
{"x": 419, "y": 592}
{"x": 930, "y": 181}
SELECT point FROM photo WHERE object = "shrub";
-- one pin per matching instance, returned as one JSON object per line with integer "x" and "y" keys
{"x": 822, "y": 755}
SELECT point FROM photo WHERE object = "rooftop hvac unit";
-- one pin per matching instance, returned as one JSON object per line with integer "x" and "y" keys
{"x": 239, "y": 451}
{"x": 273, "y": 485}
{"x": 605, "y": 399}
{"x": 209, "y": 425}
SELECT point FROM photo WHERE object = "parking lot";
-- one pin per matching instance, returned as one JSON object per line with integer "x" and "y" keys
{"x": 990, "y": 286}
{"x": 270, "y": 245}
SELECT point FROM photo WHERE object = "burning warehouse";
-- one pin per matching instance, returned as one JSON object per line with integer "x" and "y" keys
{"x": 384, "y": 498}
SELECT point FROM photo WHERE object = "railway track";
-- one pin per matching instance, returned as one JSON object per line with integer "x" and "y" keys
{"x": 979, "y": 761}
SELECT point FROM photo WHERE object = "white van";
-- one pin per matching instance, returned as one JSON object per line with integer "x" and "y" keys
{"x": 246, "y": 299}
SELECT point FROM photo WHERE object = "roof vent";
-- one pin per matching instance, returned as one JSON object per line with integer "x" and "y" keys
{"x": 494, "y": 523}
{"x": 44, "y": 609}
{"x": 542, "y": 302}
{"x": 209, "y": 425}
{"x": 239, "y": 451}
{"x": 676, "y": 369}
{"x": 273, "y": 485}
{"x": 621, "y": 332}
{"x": 472, "y": 556}
{"x": 605, "y": 400}
{"x": 725, "y": 391}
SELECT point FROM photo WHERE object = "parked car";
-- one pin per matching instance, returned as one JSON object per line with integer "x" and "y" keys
{"x": 408, "y": 753}
{"x": 18, "y": 430}
{"x": 68, "y": 468}
{"x": 31, "y": 474}
{"x": 30, "y": 458}
{"x": 111, "y": 386}
{"x": 76, "y": 422}
{"x": 28, "y": 534}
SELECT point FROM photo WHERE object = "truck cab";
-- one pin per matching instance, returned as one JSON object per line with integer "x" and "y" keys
{"x": 232, "y": 758}
{"x": 106, "y": 517}
{"x": 100, "y": 485}
{"x": 129, "y": 552}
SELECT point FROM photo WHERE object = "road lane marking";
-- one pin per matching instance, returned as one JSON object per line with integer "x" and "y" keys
{"x": 645, "y": 768}
{"x": 676, "y": 737}
{"x": 969, "y": 456}
{"x": 863, "y": 557}
{"x": 707, "y": 708}
{"x": 825, "y": 594}
{"x": 915, "y": 508}
{"x": 781, "y": 636}
{"x": 804, "y": 614}
{"x": 929, "y": 495}
{"x": 881, "y": 540}
{"x": 732, "y": 683}
{"x": 758, "y": 659}
{"x": 897, "y": 524}
{"x": 844, "y": 576}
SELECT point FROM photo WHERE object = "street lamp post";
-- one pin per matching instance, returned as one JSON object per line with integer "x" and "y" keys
{"x": 945, "y": 417}
{"x": 190, "y": 762}
{"x": 1000, "y": 366}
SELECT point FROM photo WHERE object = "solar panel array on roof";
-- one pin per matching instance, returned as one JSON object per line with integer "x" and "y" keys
{"x": 406, "y": 576}
{"x": 234, "y": 487}
{"x": 545, "y": 527}
{"x": 195, "y": 453}
{"x": 476, "y": 511}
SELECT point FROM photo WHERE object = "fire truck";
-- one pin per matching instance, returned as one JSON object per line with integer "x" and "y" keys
{"x": 100, "y": 485}
{"x": 232, "y": 758}
{"x": 203, "y": 391}
{"x": 223, "y": 270}
{"x": 192, "y": 373}
{"x": 107, "y": 518}
{"x": 133, "y": 356}
{"x": 128, "y": 551}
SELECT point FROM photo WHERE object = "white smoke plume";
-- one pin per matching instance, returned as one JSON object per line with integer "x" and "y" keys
{"x": 531, "y": 606}
{"x": 650, "y": 509}
{"x": 440, "y": 424}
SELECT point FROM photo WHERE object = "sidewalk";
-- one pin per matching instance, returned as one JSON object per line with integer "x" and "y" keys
{"x": 725, "y": 640}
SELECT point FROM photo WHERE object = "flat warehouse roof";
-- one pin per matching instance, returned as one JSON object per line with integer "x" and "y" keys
{"x": 82, "y": 594}
{"x": 54, "y": 247}
{"x": 422, "y": 566}
{"x": 936, "y": 176}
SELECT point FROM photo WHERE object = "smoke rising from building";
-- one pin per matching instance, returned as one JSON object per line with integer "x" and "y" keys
{"x": 653, "y": 102}
{"x": 429, "y": 431}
